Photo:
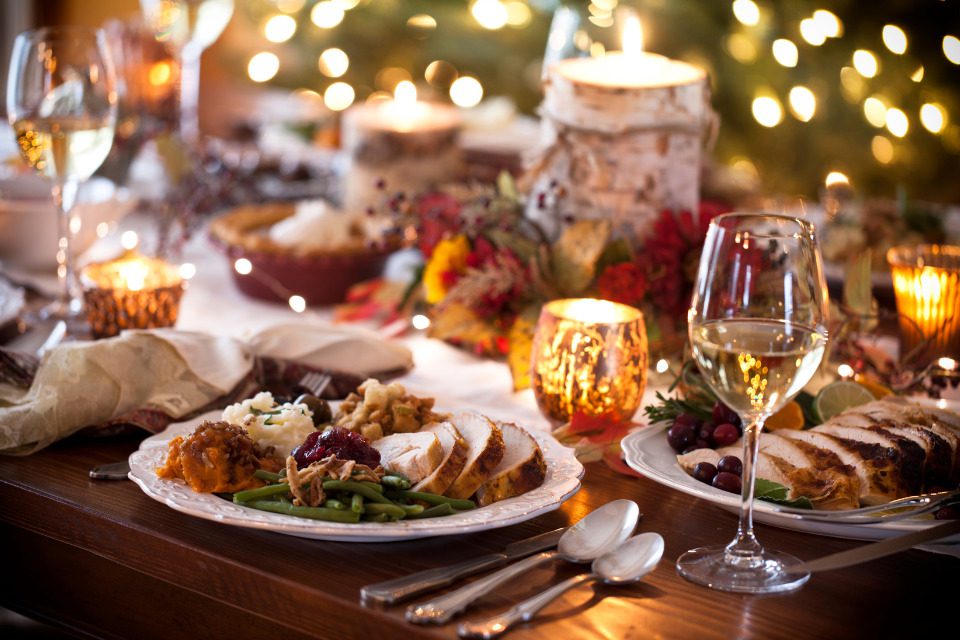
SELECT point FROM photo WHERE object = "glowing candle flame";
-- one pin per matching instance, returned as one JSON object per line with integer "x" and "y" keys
{"x": 632, "y": 36}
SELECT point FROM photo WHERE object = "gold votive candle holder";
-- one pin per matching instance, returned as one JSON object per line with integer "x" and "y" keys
{"x": 131, "y": 292}
{"x": 926, "y": 284}
{"x": 590, "y": 357}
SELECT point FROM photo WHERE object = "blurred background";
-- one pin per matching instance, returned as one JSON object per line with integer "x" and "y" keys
{"x": 869, "y": 92}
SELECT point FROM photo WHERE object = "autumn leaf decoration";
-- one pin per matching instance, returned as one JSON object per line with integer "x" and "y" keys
{"x": 596, "y": 438}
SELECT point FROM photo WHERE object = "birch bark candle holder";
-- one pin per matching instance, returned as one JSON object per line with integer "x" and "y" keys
{"x": 403, "y": 144}
{"x": 623, "y": 136}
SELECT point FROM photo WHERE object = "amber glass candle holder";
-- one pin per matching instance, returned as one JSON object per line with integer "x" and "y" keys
{"x": 926, "y": 283}
{"x": 131, "y": 292}
{"x": 589, "y": 356}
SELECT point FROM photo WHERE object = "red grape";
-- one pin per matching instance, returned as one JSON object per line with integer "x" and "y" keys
{"x": 681, "y": 435}
{"x": 725, "y": 434}
{"x": 726, "y": 481}
{"x": 704, "y": 472}
{"x": 730, "y": 464}
{"x": 722, "y": 413}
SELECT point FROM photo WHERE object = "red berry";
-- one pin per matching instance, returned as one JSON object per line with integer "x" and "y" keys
{"x": 725, "y": 434}
{"x": 343, "y": 443}
{"x": 704, "y": 472}
{"x": 730, "y": 464}
{"x": 726, "y": 481}
{"x": 681, "y": 435}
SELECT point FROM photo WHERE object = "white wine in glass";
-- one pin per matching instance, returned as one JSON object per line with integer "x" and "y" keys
{"x": 62, "y": 103}
{"x": 757, "y": 327}
{"x": 189, "y": 26}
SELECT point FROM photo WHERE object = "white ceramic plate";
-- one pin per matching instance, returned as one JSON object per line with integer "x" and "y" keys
{"x": 563, "y": 480}
{"x": 646, "y": 451}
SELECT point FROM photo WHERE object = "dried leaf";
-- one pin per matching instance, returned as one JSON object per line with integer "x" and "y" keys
{"x": 456, "y": 323}
{"x": 507, "y": 187}
{"x": 524, "y": 248}
{"x": 575, "y": 255}
{"x": 521, "y": 346}
{"x": 858, "y": 290}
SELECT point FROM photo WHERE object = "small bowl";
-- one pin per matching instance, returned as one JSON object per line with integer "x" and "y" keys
{"x": 28, "y": 218}
{"x": 278, "y": 272}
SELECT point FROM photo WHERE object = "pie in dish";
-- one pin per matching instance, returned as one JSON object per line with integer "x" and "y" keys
{"x": 305, "y": 248}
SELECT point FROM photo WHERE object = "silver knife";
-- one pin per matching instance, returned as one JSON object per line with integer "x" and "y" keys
{"x": 877, "y": 549}
{"x": 400, "y": 589}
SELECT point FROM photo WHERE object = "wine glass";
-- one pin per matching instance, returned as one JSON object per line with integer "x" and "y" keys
{"x": 62, "y": 103}
{"x": 189, "y": 27}
{"x": 757, "y": 327}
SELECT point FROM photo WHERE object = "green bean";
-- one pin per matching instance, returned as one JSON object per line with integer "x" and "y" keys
{"x": 394, "y": 481}
{"x": 269, "y": 476}
{"x": 434, "y": 499}
{"x": 314, "y": 513}
{"x": 332, "y": 503}
{"x": 357, "y": 487}
{"x": 376, "y": 486}
{"x": 376, "y": 517}
{"x": 412, "y": 509}
{"x": 356, "y": 503}
{"x": 444, "y": 509}
{"x": 392, "y": 510}
{"x": 262, "y": 492}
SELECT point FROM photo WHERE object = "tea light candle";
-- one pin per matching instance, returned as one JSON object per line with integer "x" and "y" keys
{"x": 926, "y": 283}
{"x": 624, "y": 134}
{"x": 589, "y": 356}
{"x": 131, "y": 292}
{"x": 406, "y": 144}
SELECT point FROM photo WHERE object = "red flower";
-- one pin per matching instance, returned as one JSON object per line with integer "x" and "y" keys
{"x": 625, "y": 282}
{"x": 672, "y": 252}
{"x": 439, "y": 218}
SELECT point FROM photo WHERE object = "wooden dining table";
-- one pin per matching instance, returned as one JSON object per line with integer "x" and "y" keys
{"x": 101, "y": 559}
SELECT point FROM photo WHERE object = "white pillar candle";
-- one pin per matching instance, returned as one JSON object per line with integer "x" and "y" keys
{"x": 405, "y": 144}
{"x": 623, "y": 136}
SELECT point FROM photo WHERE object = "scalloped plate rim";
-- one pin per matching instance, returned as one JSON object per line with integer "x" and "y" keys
{"x": 646, "y": 451}
{"x": 564, "y": 472}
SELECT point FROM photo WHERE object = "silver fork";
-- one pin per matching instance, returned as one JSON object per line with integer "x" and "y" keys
{"x": 907, "y": 507}
{"x": 315, "y": 382}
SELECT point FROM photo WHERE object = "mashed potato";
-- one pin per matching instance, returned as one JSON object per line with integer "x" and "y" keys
{"x": 282, "y": 426}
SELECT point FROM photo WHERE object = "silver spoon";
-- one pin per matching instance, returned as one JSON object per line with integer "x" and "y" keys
{"x": 629, "y": 562}
{"x": 594, "y": 535}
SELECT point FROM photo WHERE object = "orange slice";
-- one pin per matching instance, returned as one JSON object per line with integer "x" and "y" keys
{"x": 878, "y": 390}
{"x": 790, "y": 417}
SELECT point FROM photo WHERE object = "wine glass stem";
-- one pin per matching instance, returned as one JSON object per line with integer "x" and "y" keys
{"x": 190, "y": 93}
{"x": 64, "y": 197}
{"x": 745, "y": 551}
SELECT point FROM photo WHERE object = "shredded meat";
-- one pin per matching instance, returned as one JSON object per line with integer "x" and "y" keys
{"x": 329, "y": 468}
{"x": 218, "y": 457}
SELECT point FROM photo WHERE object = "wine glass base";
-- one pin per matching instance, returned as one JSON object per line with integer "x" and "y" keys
{"x": 56, "y": 323}
{"x": 708, "y": 566}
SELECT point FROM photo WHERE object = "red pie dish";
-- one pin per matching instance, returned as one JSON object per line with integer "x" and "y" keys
{"x": 321, "y": 277}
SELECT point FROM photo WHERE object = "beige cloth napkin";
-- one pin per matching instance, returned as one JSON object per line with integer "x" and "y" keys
{"x": 172, "y": 372}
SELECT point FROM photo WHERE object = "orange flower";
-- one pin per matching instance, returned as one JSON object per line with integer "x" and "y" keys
{"x": 447, "y": 263}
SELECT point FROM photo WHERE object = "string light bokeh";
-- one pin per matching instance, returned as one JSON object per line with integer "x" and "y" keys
{"x": 803, "y": 88}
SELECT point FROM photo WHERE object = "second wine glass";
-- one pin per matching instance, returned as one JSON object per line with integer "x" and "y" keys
{"x": 62, "y": 103}
{"x": 757, "y": 327}
{"x": 189, "y": 27}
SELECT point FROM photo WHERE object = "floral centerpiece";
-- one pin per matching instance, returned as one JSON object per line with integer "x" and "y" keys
{"x": 488, "y": 269}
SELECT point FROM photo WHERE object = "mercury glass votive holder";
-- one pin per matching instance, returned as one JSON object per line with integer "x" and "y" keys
{"x": 131, "y": 292}
{"x": 589, "y": 356}
{"x": 926, "y": 284}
